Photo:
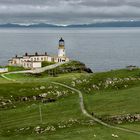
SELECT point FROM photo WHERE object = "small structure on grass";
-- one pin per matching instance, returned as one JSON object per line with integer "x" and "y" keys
{"x": 3, "y": 70}
{"x": 131, "y": 67}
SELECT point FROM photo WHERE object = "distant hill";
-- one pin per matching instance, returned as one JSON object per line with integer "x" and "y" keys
{"x": 16, "y": 25}
{"x": 110, "y": 24}
{"x": 99, "y": 24}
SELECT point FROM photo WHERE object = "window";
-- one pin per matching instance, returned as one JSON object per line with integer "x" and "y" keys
{"x": 14, "y": 62}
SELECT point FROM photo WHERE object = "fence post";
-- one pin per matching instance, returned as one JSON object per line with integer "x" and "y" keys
{"x": 40, "y": 114}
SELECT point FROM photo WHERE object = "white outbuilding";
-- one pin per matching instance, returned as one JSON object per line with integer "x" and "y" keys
{"x": 3, "y": 70}
{"x": 32, "y": 64}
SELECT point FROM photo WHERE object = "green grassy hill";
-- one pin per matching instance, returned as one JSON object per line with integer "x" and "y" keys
{"x": 34, "y": 108}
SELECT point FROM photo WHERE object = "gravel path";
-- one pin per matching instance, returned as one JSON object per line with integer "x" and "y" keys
{"x": 85, "y": 112}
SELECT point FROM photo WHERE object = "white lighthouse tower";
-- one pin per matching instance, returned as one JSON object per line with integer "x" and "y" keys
{"x": 61, "y": 48}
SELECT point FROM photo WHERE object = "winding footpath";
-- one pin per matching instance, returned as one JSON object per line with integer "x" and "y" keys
{"x": 35, "y": 71}
{"x": 85, "y": 112}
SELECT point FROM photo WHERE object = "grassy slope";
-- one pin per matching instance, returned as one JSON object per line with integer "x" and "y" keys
{"x": 78, "y": 132}
{"x": 133, "y": 126}
{"x": 46, "y": 63}
{"x": 3, "y": 80}
{"x": 28, "y": 114}
{"x": 103, "y": 102}
{"x": 114, "y": 102}
{"x": 15, "y": 68}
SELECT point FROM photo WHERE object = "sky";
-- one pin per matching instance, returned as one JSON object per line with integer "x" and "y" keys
{"x": 68, "y": 11}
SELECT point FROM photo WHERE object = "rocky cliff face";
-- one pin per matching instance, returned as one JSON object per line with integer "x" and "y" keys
{"x": 73, "y": 66}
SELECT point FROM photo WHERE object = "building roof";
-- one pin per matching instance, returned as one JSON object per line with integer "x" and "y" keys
{"x": 61, "y": 39}
{"x": 32, "y": 61}
{"x": 32, "y": 55}
{"x": 16, "y": 57}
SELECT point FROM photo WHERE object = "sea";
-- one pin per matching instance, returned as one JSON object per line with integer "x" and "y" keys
{"x": 101, "y": 49}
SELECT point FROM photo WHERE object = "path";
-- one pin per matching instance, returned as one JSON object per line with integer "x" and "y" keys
{"x": 38, "y": 70}
{"x": 85, "y": 112}
{"x": 9, "y": 79}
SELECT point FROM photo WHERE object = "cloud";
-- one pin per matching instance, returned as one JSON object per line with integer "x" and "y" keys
{"x": 68, "y": 11}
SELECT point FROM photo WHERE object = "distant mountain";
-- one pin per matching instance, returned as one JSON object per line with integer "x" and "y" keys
{"x": 16, "y": 25}
{"x": 110, "y": 24}
{"x": 99, "y": 24}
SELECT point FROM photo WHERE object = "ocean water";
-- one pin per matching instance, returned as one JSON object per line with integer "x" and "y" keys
{"x": 101, "y": 49}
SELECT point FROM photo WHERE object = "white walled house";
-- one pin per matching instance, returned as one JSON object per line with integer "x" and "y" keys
{"x": 35, "y": 61}
{"x": 15, "y": 61}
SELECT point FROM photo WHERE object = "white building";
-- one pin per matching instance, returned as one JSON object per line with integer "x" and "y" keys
{"x": 35, "y": 61}
{"x": 3, "y": 70}
{"x": 32, "y": 64}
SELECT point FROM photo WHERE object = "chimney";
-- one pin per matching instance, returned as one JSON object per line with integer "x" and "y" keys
{"x": 26, "y": 54}
{"x": 16, "y": 56}
{"x": 46, "y": 53}
{"x": 36, "y": 54}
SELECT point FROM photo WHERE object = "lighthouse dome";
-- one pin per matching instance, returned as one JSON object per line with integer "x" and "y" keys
{"x": 61, "y": 42}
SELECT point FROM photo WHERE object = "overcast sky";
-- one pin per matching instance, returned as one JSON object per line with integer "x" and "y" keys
{"x": 68, "y": 11}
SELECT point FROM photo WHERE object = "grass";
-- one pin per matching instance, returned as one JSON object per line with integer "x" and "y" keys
{"x": 43, "y": 78}
{"x": 4, "y": 81}
{"x": 71, "y": 67}
{"x": 103, "y": 102}
{"x": 28, "y": 113}
{"x": 114, "y": 102}
{"x": 15, "y": 68}
{"x": 132, "y": 126}
{"x": 46, "y": 63}
{"x": 78, "y": 132}
{"x": 122, "y": 73}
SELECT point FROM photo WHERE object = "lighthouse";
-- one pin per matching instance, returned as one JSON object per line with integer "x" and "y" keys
{"x": 61, "y": 48}
{"x": 34, "y": 61}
